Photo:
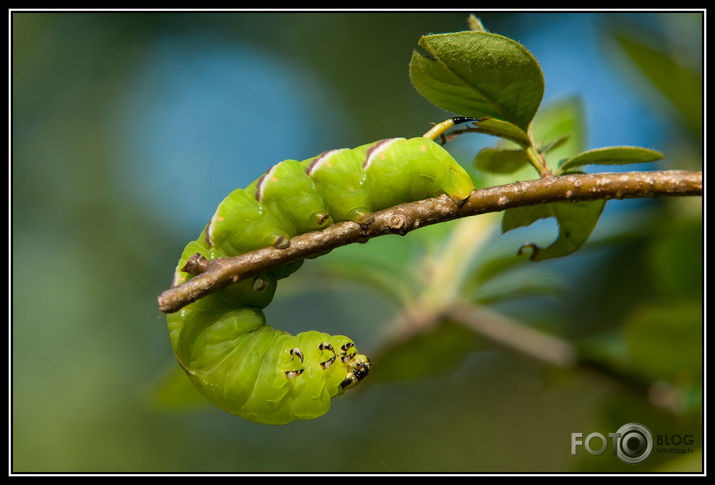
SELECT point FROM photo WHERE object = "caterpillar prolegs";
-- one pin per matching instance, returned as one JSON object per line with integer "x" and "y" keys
{"x": 222, "y": 341}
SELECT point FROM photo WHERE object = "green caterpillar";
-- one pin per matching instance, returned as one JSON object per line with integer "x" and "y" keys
{"x": 222, "y": 341}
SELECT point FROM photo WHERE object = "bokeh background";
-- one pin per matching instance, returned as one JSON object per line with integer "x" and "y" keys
{"x": 129, "y": 128}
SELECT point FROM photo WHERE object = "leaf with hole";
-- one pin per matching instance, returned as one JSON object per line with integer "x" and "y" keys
{"x": 576, "y": 221}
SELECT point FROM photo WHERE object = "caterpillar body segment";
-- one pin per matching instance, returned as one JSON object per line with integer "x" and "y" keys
{"x": 290, "y": 195}
{"x": 241, "y": 224}
{"x": 340, "y": 180}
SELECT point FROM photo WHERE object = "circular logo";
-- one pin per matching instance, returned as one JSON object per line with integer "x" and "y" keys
{"x": 634, "y": 443}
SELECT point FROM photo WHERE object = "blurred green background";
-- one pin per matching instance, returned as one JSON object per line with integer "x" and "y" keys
{"x": 129, "y": 128}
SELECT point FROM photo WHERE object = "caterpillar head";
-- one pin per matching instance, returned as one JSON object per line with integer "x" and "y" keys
{"x": 358, "y": 367}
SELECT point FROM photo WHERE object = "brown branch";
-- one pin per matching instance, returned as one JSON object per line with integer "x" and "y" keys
{"x": 404, "y": 218}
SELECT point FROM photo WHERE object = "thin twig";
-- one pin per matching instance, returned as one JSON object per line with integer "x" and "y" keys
{"x": 507, "y": 333}
{"x": 555, "y": 351}
{"x": 406, "y": 217}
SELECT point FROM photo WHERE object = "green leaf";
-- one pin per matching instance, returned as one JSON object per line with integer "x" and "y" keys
{"x": 553, "y": 145}
{"x": 576, "y": 221}
{"x": 478, "y": 74}
{"x": 503, "y": 129}
{"x": 500, "y": 160}
{"x": 559, "y": 129}
{"x": 620, "y": 155}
